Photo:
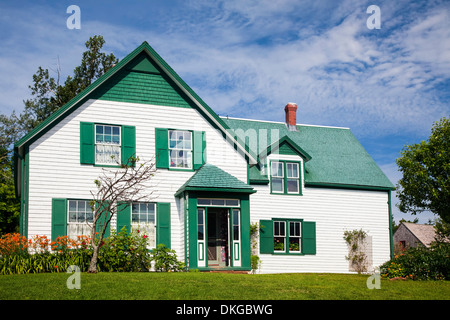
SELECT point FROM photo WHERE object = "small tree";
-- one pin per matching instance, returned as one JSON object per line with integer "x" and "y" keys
{"x": 116, "y": 189}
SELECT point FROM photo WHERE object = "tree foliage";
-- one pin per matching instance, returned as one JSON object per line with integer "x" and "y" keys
{"x": 48, "y": 94}
{"x": 425, "y": 166}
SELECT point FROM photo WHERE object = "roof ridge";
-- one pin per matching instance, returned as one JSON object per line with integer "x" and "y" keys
{"x": 280, "y": 122}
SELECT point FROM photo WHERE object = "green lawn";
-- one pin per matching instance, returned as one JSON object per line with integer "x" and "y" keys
{"x": 215, "y": 286}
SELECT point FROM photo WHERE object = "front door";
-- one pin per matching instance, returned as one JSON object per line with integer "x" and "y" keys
{"x": 218, "y": 231}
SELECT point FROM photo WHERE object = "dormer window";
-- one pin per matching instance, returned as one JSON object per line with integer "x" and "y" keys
{"x": 285, "y": 177}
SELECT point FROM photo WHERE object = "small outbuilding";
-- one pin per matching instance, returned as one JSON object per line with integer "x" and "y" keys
{"x": 411, "y": 235}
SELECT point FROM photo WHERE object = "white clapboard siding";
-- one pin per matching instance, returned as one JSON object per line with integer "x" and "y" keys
{"x": 55, "y": 170}
{"x": 334, "y": 211}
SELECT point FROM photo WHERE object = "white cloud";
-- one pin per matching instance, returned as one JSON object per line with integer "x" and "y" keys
{"x": 247, "y": 58}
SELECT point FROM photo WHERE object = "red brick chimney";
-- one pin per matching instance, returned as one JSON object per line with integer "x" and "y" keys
{"x": 291, "y": 116}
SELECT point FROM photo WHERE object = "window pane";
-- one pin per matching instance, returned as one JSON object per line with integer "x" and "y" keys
{"x": 279, "y": 228}
{"x": 218, "y": 202}
{"x": 236, "y": 233}
{"x": 292, "y": 185}
{"x": 90, "y": 216}
{"x": 294, "y": 229}
{"x": 232, "y": 203}
{"x": 107, "y": 130}
{"x": 99, "y": 129}
{"x": 199, "y": 216}
{"x": 278, "y": 243}
{"x": 73, "y": 216}
{"x": 205, "y": 202}
{"x": 200, "y": 232}
{"x": 82, "y": 206}
{"x": 135, "y": 208}
{"x": 116, "y": 139}
{"x": 277, "y": 169}
{"x": 135, "y": 218}
{"x": 292, "y": 170}
{"x": 116, "y": 131}
{"x": 277, "y": 185}
{"x": 294, "y": 244}
{"x": 72, "y": 206}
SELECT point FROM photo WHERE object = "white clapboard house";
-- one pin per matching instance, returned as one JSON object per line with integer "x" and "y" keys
{"x": 216, "y": 176}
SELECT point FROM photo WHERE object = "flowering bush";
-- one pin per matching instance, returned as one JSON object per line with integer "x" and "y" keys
{"x": 420, "y": 264}
{"x": 13, "y": 243}
{"x": 126, "y": 251}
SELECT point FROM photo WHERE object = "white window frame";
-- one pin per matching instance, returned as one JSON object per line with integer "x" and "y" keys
{"x": 280, "y": 235}
{"x": 145, "y": 227}
{"x": 117, "y": 147}
{"x": 299, "y": 236}
{"x": 82, "y": 227}
{"x": 277, "y": 176}
{"x": 177, "y": 149}
{"x": 215, "y": 202}
{"x": 296, "y": 178}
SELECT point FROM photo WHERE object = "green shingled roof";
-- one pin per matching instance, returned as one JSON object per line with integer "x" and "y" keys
{"x": 337, "y": 157}
{"x": 212, "y": 178}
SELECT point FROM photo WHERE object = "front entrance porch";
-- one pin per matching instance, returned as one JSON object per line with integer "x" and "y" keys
{"x": 218, "y": 232}
{"x": 217, "y": 220}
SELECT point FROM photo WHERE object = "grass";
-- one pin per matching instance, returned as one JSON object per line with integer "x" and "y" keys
{"x": 215, "y": 286}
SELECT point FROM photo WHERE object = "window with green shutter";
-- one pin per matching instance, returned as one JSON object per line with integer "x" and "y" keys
{"x": 105, "y": 144}
{"x": 151, "y": 219}
{"x": 180, "y": 149}
{"x": 287, "y": 236}
{"x": 69, "y": 217}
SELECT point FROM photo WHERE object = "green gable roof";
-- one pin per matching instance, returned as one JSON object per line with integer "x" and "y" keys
{"x": 336, "y": 156}
{"x": 212, "y": 178}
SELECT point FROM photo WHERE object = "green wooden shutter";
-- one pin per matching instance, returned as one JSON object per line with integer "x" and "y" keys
{"x": 266, "y": 236}
{"x": 199, "y": 149}
{"x": 162, "y": 148}
{"x": 308, "y": 237}
{"x": 128, "y": 143}
{"x": 100, "y": 221}
{"x": 124, "y": 216}
{"x": 59, "y": 218}
{"x": 163, "y": 224}
{"x": 87, "y": 144}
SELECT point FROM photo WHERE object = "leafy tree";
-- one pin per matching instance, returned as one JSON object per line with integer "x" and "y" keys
{"x": 425, "y": 184}
{"x": 9, "y": 206}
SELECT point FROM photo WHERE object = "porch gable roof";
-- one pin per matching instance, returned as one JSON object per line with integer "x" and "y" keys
{"x": 211, "y": 178}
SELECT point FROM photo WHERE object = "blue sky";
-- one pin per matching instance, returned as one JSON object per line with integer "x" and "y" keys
{"x": 249, "y": 58}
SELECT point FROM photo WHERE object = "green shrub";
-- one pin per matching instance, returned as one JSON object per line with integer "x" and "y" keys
{"x": 125, "y": 252}
{"x": 420, "y": 264}
{"x": 166, "y": 259}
